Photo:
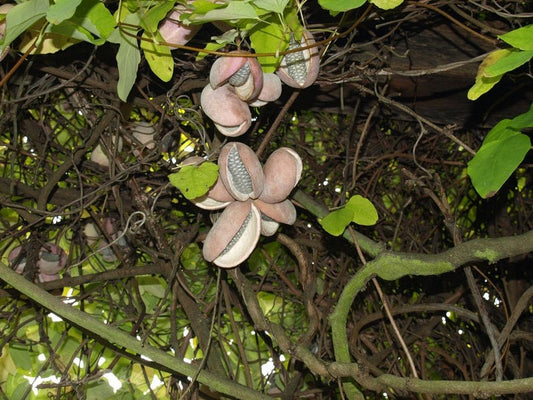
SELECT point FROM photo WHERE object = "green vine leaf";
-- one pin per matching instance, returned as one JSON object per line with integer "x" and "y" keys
{"x": 234, "y": 11}
{"x": 21, "y": 17}
{"x": 511, "y": 61}
{"x": 194, "y": 181}
{"x": 128, "y": 55}
{"x": 94, "y": 16}
{"x": 276, "y": 6}
{"x": 386, "y": 4}
{"x": 336, "y": 221}
{"x": 500, "y": 154}
{"x": 158, "y": 56}
{"x": 340, "y": 5}
{"x": 269, "y": 38}
{"x": 358, "y": 209}
{"x": 484, "y": 82}
{"x": 364, "y": 212}
{"x": 62, "y": 10}
{"x": 519, "y": 38}
{"x": 151, "y": 18}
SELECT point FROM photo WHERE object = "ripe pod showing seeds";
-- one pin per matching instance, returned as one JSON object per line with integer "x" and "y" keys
{"x": 243, "y": 74}
{"x": 234, "y": 235}
{"x": 241, "y": 171}
{"x": 300, "y": 69}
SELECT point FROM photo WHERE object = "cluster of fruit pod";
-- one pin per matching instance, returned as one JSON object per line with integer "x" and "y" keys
{"x": 253, "y": 198}
{"x": 52, "y": 259}
{"x": 237, "y": 82}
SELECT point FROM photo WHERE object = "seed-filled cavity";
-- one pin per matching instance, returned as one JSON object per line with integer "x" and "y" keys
{"x": 239, "y": 78}
{"x": 296, "y": 63}
{"x": 266, "y": 218}
{"x": 241, "y": 180}
{"x": 238, "y": 235}
{"x": 51, "y": 257}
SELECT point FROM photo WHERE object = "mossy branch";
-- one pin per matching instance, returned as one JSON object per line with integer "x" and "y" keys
{"x": 122, "y": 340}
{"x": 395, "y": 265}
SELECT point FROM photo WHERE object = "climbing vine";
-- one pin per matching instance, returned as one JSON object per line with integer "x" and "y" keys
{"x": 185, "y": 212}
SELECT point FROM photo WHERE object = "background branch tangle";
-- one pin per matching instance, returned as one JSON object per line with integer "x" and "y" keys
{"x": 297, "y": 319}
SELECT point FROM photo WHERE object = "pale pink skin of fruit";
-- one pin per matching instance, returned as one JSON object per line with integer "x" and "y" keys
{"x": 226, "y": 110}
{"x": 174, "y": 32}
{"x": 225, "y": 67}
{"x": 225, "y": 228}
{"x": 4, "y": 9}
{"x": 271, "y": 91}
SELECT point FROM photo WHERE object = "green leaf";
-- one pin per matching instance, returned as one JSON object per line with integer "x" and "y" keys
{"x": 483, "y": 82}
{"x": 62, "y": 10}
{"x": 92, "y": 22}
{"x": 212, "y": 46}
{"x": 22, "y": 357}
{"x": 358, "y": 209}
{"x": 518, "y": 123}
{"x": 276, "y": 6}
{"x": 94, "y": 16}
{"x": 364, "y": 212}
{"x": 21, "y": 17}
{"x": 158, "y": 56}
{"x": 494, "y": 162}
{"x": 512, "y": 61}
{"x": 195, "y": 180}
{"x": 203, "y": 6}
{"x": 521, "y": 38}
{"x": 502, "y": 151}
{"x": 340, "y": 5}
{"x": 269, "y": 303}
{"x": 386, "y": 4}
{"x": 521, "y": 121}
{"x": 17, "y": 387}
{"x": 150, "y": 20}
{"x": 128, "y": 55}
{"x": 336, "y": 221}
{"x": 234, "y": 11}
{"x": 269, "y": 38}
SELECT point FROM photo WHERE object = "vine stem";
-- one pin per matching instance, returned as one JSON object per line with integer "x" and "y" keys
{"x": 268, "y": 136}
{"x": 386, "y": 307}
{"x": 129, "y": 345}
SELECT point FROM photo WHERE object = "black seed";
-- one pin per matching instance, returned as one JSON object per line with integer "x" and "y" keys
{"x": 296, "y": 63}
{"x": 241, "y": 179}
{"x": 239, "y": 78}
{"x": 238, "y": 235}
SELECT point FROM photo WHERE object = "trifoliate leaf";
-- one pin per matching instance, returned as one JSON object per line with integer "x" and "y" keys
{"x": 195, "y": 180}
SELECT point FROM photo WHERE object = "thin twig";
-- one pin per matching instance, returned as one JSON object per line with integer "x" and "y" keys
{"x": 386, "y": 307}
